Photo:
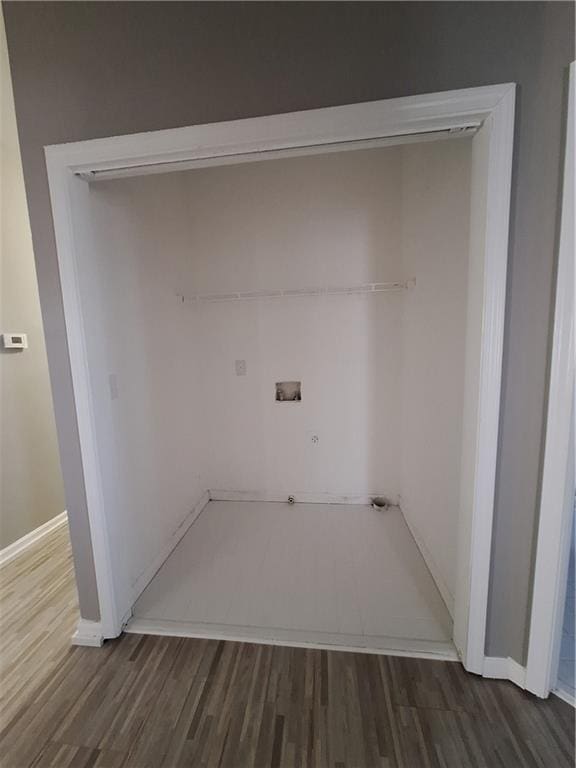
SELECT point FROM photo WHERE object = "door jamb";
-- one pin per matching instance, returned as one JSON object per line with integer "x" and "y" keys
{"x": 554, "y": 527}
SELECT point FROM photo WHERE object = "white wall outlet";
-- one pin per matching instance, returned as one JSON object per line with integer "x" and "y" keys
{"x": 15, "y": 341}
{"x": 240, "y": 367}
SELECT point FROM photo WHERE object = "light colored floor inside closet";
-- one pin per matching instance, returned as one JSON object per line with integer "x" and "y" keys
{"x": 345, "y": 575}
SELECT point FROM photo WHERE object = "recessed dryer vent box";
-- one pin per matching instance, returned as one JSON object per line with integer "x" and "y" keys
{"x": 288, "y": 391}
{"x": 15, "y": 341}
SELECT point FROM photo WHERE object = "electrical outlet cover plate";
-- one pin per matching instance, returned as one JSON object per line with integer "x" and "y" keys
{"x": 15, "y": 341}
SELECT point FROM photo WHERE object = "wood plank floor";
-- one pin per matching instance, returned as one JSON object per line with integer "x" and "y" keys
{"x": 38, "y": 614}
{"x": 163, "y": 701}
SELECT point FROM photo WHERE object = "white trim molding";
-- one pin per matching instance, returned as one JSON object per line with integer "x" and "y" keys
{"x": 499, "y": 668}
{"x": 431, "y": 564}
{"x": 474, "y": 573}
{"x": 71, "y": 167}
{"x": 301, "y": 497}
{"x": 295, "y": 638}
{"x": 88, "y": 633}
{"x": 265, "y": 137}
{"x": 21, "y": 545}
{"x": 557, "y": 497}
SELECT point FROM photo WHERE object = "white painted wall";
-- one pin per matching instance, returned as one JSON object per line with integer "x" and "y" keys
{"x": 346, "y": 353}
{"x": 142, "y": 361}
{"x": 371, "y": 367}
{"x": 435, "y": 235}
{"x": 330, "y": 220}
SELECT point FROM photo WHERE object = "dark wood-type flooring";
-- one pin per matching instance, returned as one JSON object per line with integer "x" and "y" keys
{"x": 160, "y": 701}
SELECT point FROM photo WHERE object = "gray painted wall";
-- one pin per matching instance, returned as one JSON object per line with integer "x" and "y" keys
{"x": 87, "y": 70}
{"x": 31, "y": 491}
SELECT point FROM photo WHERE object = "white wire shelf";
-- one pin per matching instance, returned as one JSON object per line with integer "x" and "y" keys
{"x": 365, "y": 289}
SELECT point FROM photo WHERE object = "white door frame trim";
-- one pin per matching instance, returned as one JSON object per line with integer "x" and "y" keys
{"x": 306, "y": 132}
{"x": 555, "y": 515}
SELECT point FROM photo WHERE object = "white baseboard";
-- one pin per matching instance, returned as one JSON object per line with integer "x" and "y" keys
{"x": 299, "y": 497}
{"x": 384, "y": 646}
{"x": 501, "y": 668}
{"x": 446, "y": 594}
{"x": 148, "y": 574}
{"x": 88, "y": 633}
{"x": 20, "y": 546}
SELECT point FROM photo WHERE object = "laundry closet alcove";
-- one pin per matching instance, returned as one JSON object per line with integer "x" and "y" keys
{"x": 308, "y": 308}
